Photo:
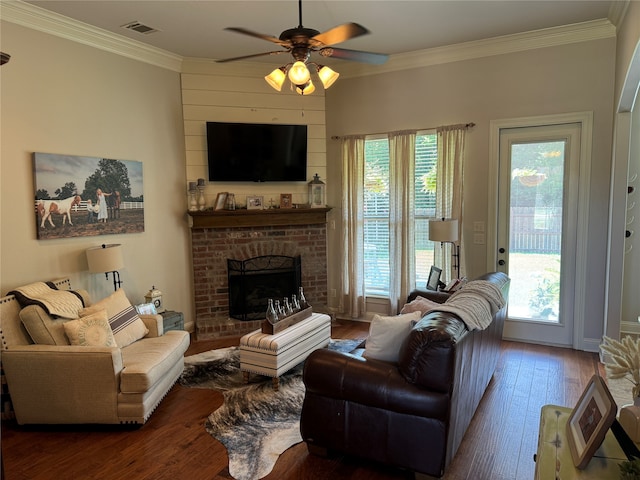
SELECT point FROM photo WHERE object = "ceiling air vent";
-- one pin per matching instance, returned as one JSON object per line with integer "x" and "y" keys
{"x": 139, "y": 27}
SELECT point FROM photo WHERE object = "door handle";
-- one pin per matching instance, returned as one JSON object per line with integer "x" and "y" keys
{"x": 501, "y": 250}
{"x": 501, "y": 262}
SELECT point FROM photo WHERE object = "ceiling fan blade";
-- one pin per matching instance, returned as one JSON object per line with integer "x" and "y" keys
{"x": 244, "y": 57}
{"x": 354, "y": 55}
{"x": 339, "y": 34}
{"x": 262, "y": 36}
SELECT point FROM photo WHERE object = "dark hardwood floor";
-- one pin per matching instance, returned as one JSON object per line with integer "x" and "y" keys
{"x": 499, "y": 444}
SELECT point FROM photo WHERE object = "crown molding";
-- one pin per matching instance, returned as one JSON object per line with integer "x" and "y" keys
{"x": 617, "y": 12}
{"x": 37, "y": 18}
{"x": 547, "y": 37}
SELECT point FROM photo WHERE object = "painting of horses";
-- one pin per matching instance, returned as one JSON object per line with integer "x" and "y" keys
{"x": 78, "y": 196}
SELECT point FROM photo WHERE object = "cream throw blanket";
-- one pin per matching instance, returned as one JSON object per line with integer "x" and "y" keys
{"x": 57, "y": 302}
{"x": 476, "y": 303}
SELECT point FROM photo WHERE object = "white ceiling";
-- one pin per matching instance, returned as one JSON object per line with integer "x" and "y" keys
{"x": 196, "y": 28}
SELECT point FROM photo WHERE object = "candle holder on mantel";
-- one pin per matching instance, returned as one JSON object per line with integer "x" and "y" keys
{"x": 317, "y": 193}
{"x": 202, "y": 203}
{"x": 192, "y": 193}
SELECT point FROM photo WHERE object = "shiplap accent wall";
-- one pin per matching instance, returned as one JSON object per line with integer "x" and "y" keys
{"x": 238, "y": 93}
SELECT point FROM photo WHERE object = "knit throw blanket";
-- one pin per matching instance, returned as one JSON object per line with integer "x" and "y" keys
{"x": 476, "y": 303}
{"x": 62, "y": 303}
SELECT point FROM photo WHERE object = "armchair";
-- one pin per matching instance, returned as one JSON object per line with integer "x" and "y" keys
{"x": 72, "y": 384}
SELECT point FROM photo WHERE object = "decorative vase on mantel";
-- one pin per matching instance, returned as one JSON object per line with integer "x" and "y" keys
{"x": 629, "y": 418}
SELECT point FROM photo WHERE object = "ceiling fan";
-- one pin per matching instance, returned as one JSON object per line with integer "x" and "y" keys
{"x": 300, "y": 42}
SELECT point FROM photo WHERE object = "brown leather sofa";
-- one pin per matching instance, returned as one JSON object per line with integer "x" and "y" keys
{"x": 412, "y": 414}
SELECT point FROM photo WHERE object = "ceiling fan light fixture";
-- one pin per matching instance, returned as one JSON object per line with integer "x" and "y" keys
{"x": 327, "y": 76}
{"x": 306, "y": 89}
{"x": 299, "y": 73}
{"x": 276, "y": 78}
{"x": 300, "y": 43}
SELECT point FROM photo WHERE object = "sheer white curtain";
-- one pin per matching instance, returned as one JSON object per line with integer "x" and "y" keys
{"x": 353, "y": 226}
{"x": 401, "y": 217}
{"x": 451, "y": 145}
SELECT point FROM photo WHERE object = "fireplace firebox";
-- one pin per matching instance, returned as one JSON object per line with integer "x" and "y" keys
{"x": 254, "y": 281}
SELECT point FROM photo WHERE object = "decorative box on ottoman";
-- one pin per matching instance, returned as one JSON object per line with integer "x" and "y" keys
{"x": 172, "y": 320}
{"x": 273, "y": 355}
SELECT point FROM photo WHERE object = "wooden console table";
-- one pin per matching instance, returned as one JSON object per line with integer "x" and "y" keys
{"x": 258, "y": 218}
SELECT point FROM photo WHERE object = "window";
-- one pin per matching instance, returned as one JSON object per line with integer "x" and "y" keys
{"x": 376, "y": 210}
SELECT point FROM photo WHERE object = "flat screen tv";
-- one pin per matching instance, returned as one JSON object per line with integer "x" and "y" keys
{"x": 250, "y": 152}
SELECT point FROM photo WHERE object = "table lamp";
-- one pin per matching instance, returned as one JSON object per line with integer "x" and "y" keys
{"x": 446, "y": 231}
{"x": 105, "y": 259}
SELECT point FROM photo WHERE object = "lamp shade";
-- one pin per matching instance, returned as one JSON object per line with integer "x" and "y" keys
{"x": 306, "y": 89}
{"x": 327, "y": 76}
{"x": 299, "y": 73}
{"x": 443, "y": 230}
{"x": 276, "y": 78}
{"x": 105, "y": 258}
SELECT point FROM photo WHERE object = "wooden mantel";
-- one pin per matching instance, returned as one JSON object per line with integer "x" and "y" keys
{"x": 258, "y": 218}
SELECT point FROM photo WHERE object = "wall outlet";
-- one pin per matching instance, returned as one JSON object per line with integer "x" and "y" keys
{"x": 333, "y": 293}
{"x": 332, "y": 224}
{"x": 478, "y": 238}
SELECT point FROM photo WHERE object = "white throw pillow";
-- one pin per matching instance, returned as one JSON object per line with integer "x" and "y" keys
{"x": 90, "y": 331}
{"x": 420, "y": 304}
{"x": 386, "y": 335}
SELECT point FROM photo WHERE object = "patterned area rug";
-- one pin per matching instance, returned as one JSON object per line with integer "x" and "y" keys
{"x": 255, "y": 423}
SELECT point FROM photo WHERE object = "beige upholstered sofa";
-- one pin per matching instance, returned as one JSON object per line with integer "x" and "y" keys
{"x": 71, "y": 384}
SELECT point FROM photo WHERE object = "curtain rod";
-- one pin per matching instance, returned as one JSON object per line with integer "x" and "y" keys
{"x": 465, "y": 125}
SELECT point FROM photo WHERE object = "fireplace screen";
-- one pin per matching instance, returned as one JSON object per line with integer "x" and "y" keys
{"x": 254, "y": 281}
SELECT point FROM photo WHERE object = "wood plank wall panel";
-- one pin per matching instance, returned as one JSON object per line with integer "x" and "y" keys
{"x": 237, "y": 92}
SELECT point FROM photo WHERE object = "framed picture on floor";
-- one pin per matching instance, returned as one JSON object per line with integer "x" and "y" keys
{"x": 590, "y": 420}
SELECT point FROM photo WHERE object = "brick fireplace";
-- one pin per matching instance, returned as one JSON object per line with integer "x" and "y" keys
{"x": 242, "y": 234}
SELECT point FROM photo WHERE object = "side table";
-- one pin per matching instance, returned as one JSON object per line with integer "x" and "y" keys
{"x": 172, "y": 320}
{"x": 554, "y": 460}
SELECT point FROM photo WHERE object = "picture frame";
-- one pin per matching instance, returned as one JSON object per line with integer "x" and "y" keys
{"x": 590, "y": 420}
{"x": 434, "y": 278}
{"x": 146, "y": 309}
{"x": 81, "y": 196}
{"x": 286, "y": 200}
{"x": 221, "y": 199}
{"x": 255, "y": 202}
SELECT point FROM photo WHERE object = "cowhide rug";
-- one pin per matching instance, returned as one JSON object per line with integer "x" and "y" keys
{"x": 255, "y": 423}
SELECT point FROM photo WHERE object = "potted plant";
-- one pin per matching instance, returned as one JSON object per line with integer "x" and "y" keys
{"x": 630, "y": 469}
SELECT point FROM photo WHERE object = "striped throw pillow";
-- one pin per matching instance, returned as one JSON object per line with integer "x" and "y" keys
{"x": 125, "y": 323}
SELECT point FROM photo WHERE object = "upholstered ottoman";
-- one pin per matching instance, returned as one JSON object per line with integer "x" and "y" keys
{"x": 273, "y": 355}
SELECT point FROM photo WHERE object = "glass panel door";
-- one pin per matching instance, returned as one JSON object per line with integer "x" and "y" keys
{"x": 536, "y": 229}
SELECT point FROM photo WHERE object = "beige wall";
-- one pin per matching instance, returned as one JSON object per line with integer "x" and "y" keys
{"x": 561, "y": 79}
{"x": 60, "y": 96}
{"x": 627, "y": 45}
{"x": 624, "y": 268}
